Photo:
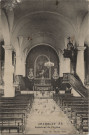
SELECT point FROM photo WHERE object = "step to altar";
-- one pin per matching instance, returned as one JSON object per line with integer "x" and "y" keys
{"x": 43, "y": 94}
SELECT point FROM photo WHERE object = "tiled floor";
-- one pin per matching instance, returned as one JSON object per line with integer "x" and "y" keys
{"x": 46, "y": 117}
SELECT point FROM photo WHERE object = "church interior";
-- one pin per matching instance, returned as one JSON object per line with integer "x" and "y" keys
{"x": 44, "y": 66}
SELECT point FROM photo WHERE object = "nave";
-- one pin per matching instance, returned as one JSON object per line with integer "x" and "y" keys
{"x": 44, "y": 48}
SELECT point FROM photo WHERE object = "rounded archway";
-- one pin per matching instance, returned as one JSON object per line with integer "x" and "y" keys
{"x": 36, "y": 59}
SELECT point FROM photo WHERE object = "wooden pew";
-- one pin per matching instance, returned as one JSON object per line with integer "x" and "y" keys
{"x": 15, "y": 105}
{"x": 75, "y": 115}
{"x": 10, "y": 127}
{"x": 82, "y": 123}
{"x": 74, "y": 102}
{"x": 13, "y": 113}
{"x": 65, "y": 101}
{"x": 69, "y": 107}
{"x": 72, "y": 99}
{"x": 76, "y": 109}
{"x": 85, "y": 124}
{"x": 72, "y": 109}
{"x": 10, "y": 120}
{"x": 14, "y": 117}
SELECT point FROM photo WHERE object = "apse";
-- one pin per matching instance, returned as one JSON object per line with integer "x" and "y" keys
{"x": 36, "y": 59}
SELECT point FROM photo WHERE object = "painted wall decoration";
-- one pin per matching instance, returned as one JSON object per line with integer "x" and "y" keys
{"x": 40, "y": 70}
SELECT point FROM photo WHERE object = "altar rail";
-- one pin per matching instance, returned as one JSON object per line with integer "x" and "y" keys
{"x": 43, "y": 87}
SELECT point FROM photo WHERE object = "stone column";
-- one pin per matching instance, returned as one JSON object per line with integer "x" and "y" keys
{"x": 61, "y": 64}
{"x": 88, "y": 67}
{"x": 64, "y": 65}
{"x": 80, "y": 63}
{"x": 0, "y": 65}
{"x": 24, "y": 69}
{"x": 9, "y": 90}
{"x": 20, "y": 66}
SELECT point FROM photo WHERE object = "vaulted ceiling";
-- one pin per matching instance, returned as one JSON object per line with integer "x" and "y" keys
{"x": 49, "y": 22}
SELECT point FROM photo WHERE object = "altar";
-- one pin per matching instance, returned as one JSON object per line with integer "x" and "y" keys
{"x": 42, "y": 85}
{"x": 43, "y": 88}
{"x": 39, "y": 87}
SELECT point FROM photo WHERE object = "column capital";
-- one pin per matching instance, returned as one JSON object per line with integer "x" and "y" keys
{"x": 8, "y": 47}
{"x": 81, "y": 48}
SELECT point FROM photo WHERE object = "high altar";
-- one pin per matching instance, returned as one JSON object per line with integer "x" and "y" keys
{"x": 42, "y": 84}
{"x": 43, "y": 88}
{"x": 42, "y": 74}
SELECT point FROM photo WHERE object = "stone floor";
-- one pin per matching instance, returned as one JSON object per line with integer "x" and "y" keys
{"x": 46, "y": 117}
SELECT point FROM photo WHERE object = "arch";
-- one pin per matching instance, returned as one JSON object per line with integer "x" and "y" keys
{"x": 37, "y": 12}
{"x": 45, "y": 44}
{"x": 20, "y": 23}
{"x": 45, "y": 51}
{"x": 5, "y": 28}
{"x": 50, "y": 40}
{"x": 84, "y": 30}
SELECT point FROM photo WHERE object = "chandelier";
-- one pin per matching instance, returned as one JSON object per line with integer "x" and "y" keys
{"x": 49, "y": 64}
{"x": 10, "y": 4}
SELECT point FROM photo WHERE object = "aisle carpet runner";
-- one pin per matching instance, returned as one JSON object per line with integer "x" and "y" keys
{"x": 46, "y": 117}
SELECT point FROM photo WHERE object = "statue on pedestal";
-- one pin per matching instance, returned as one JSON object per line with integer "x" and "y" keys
{"x": 30, "y": 75}
{"x": 55, "y": 74}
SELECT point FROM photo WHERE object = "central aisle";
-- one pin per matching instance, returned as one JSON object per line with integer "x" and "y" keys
{"x": 47, "y": 118}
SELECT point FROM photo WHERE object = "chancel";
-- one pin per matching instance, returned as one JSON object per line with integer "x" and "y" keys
{"x": 44, "y": 66}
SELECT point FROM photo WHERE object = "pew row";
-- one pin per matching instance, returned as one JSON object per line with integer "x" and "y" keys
{"x": 76, "y": 108}
{"x": 14, "y": 113}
